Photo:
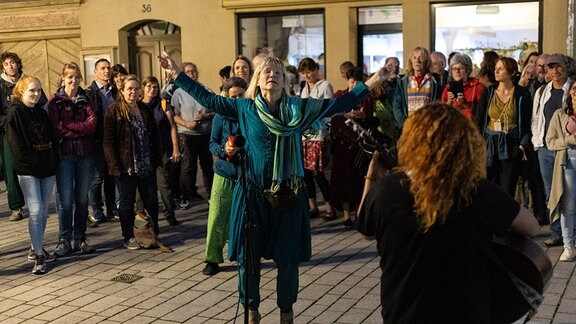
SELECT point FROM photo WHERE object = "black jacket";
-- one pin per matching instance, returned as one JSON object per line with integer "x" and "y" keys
{"x": 32, "y": 141}
{"x": 5, "y": 100}
{"x": 93, "y": 92}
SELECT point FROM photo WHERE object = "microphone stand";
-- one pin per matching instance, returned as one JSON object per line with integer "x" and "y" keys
{"x": 249, "y": 265}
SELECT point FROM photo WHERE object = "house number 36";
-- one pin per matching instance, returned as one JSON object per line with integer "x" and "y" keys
{"x": 146, "y": 8}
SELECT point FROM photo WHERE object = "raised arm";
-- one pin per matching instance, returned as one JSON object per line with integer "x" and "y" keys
{"x": 216, "y": 103}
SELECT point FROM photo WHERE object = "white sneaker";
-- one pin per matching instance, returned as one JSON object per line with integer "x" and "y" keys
{"x": 569, "y": 254}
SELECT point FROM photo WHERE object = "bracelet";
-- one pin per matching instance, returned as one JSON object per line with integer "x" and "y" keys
{"x": 369, "y": 178}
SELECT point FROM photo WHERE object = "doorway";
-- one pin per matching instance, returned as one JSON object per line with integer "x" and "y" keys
{"x": 148, "y": 40}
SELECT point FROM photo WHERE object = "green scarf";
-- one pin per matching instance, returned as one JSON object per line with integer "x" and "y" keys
{"x": 292, "y": 122}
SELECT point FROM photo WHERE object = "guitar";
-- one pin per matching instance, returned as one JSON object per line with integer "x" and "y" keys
{"x": 526, "y": 260}
{"x": 354, "y": 134}
{"x": 517, "y": 256}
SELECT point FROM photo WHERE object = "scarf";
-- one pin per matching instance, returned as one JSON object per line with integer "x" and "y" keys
{"x": 293, "y": 120}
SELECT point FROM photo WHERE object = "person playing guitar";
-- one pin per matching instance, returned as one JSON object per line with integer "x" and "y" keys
{"x": 433, "y": 218}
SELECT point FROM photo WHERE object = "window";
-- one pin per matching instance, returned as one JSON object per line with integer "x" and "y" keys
{"x": 380, "y": 36}
{"x": 291, "y": 36}
{"x": 511, "y": 29}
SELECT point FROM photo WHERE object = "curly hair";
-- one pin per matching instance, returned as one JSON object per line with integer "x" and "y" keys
{"x": 444, "y": 155}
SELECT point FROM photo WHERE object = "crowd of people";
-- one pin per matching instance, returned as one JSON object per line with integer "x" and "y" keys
{"x": 269, "y": 137}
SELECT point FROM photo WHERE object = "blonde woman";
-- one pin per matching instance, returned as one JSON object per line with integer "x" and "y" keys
{"x": 35, "y": 155}
{"x": 433, "y": 218}
{"x": 272, "y": 123}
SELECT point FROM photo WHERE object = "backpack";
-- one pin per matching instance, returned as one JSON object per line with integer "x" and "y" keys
{"x": 145, "y": 235}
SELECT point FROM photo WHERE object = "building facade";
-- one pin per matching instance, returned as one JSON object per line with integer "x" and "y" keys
{"x": 48, "y": 33}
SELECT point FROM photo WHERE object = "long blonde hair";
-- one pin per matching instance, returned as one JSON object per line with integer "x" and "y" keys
{"x": 253, "y": 88}
{"x": 123, "y": 107}
{"x": 444, "y": 155}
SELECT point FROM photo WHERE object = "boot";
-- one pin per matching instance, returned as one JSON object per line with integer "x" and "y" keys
{"x": 287, "y": 318}
{"x": 253, "y": 317}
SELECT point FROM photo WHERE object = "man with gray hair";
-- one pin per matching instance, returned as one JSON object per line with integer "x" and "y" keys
{"x": 438, "y": 67}
{"x": 547, "y": 100}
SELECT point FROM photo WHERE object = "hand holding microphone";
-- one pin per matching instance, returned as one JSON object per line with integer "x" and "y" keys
{"x": 234, "y": 145}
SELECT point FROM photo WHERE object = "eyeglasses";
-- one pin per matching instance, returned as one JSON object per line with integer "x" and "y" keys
{"x": 457, "y": 69}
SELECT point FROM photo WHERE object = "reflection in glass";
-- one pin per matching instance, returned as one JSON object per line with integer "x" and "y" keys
{"x": 511, "y": 29}
{"x": 291, "y": 37}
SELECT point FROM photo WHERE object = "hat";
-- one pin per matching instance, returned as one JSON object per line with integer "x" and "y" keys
{"x": 558, "y": 59}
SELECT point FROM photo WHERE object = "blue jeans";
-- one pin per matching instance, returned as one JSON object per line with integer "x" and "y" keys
{"x": 37, "y": 193}
{"x": 101, "y": 177}
{"x": 568, "y": 200}
{"x": 147, "y": 188}
{"x": 546, "y": 159}
{"x": 73, "y": 180}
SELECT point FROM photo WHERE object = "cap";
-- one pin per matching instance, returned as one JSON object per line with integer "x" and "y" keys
{"x": 558, "y": 59}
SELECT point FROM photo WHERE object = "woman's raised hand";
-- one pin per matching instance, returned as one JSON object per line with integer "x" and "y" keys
{"x": 377, "y": 77}
{"x": 168, "y": 63}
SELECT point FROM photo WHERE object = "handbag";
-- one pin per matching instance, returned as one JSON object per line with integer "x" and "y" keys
{"x": 283, "y": 199}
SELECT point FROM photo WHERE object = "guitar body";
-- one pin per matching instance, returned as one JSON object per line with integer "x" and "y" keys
{"x": 526, "y": 260}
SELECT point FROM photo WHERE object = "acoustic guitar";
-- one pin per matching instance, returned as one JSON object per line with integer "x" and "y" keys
{"x": 525, "y": 260}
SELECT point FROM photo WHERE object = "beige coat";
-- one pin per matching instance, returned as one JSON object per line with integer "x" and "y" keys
{"x": 558, "y": 139}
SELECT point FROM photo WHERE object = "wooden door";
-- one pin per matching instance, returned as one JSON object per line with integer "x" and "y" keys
{"x": 143, "y": 51}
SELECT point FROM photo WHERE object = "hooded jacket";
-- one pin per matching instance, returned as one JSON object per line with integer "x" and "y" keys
{"x": 31, "y": 140}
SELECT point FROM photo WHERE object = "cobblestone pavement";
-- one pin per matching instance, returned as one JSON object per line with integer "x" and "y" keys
{"x": 339, "y": 285}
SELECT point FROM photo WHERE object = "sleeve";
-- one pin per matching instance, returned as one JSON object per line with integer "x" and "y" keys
{"x": 536, "y": 110}
{"x": 557, "y": 138}
{"x": 445, "y": 93}
{"x": 482, "y": 109}
{"x": 59, "y": 130}
{"x": 216, "y": 147}
{"x": 501, "y": 208}
{"x": 398, "y": 104}
{"x": 219, "y": 104}
{"x": 329, "y": 91}
{"x": 110, "y": 142}
{"x": 372, "y": 217}
{"x": 86, "y": 126}
{"x": 346, "y": 102}
{"x": 526, "y": 118}
{"x": 15, "y": 138}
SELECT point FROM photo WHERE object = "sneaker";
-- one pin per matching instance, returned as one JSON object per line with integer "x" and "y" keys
{"x": 131, "y": 244}
{"x": 17, "y": 215}
{"x": 211, "y": 269}
{"x": 97, "y": 216}
{"x": 48, "y": 257}
{"x": 553, "y": 241}
{"x": 83, "y": 247}
{"x": 184, "y": 204}
{"x": 569, "y": 254}
{"x": 63, "y": 248}
{"x": 39, "y": 265}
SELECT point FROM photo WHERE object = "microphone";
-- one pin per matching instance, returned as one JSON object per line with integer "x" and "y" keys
{"x": 238, "y": 142}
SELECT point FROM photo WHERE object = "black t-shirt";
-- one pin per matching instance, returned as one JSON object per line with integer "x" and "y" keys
{"x": 440, "y": 276}
{"x": 554, "y": 103}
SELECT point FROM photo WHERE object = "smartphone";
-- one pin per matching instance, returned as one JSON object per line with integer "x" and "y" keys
{"x": 456, "y": 87}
